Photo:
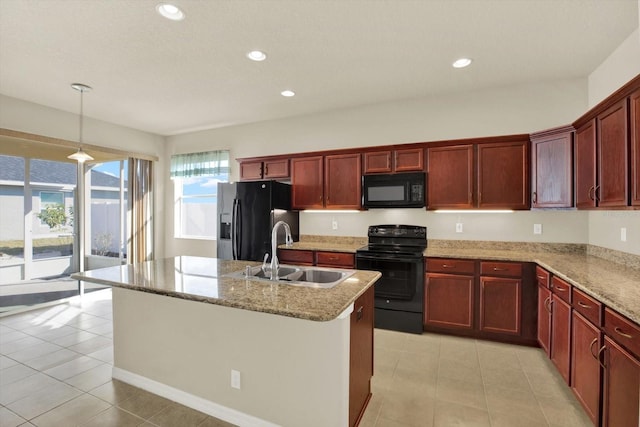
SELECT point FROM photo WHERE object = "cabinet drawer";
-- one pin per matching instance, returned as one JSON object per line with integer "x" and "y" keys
{"x": 291, "y": 256}
{"x": 506, "y": 269}
{"x": 561, "y": 289}
{"x": 542, "y": 277}
{"x": 622, "y": 330}
{"x": 455, "y": 266}
{"x": 587, "y": 306}
{"x": 335, "y": 259}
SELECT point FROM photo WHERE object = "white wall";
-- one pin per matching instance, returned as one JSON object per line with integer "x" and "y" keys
{"x": 28, "y": 117}
{"x": 499, "y": 111}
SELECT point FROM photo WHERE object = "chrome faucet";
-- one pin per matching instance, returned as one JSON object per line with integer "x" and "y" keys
{"x": 274, "y": 245}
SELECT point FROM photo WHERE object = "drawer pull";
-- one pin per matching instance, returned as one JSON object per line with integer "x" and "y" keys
{"x": 541, "y": 277}
{"x": 621, "y": 332}
{"x": 604, "y": 366}
{"x": 360, "y": 313}
{"x": 595, "y": 356}
{"x": 500, "y": 269}
{"x": 448, "y": 266}
{"x": 547, "y": 304}
{"x": 560, "y": 289}
{"x": 583, "y": 305}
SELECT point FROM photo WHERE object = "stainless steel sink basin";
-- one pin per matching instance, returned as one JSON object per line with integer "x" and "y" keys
{"x": 317, "y": 277}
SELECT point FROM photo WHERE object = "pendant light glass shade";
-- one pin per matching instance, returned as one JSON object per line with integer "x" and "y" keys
{"x": 80, "y": 156}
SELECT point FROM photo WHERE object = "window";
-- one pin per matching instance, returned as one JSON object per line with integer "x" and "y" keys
{"x": 196, "y": 177}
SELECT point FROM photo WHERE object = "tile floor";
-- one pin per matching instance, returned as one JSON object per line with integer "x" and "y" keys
{"x": 55, "y": 370}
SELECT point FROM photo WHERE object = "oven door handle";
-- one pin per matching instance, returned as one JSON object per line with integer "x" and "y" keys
{"x": 398, "y": 258}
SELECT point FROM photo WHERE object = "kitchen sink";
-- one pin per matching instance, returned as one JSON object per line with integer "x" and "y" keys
{"x": 316, "y": 277}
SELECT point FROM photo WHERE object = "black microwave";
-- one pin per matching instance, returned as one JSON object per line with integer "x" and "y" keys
{"x": 398, "y": 190}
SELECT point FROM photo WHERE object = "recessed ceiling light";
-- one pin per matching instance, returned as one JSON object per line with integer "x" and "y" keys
{"x": 256, "y": 55}
{"x": 170, "y": 11}
{"x": 288, "y": 93}
{"x": 461, "y": 63}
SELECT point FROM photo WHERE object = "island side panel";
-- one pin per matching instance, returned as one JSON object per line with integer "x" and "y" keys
{"x": 293, "y": 371}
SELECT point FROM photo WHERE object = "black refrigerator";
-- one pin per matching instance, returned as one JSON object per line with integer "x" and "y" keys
{"x": 247, "y": 212}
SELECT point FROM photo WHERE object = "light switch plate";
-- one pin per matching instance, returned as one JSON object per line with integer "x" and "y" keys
{"x": 537, "y": 228}
{"x": 334, "y": 224}
{"x": 235, "y": 379}
{"x": 458, "y": 227}
{"x": 623, "y": 234}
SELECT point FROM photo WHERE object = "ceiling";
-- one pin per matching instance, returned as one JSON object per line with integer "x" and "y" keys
{"x": 167, "y": 77}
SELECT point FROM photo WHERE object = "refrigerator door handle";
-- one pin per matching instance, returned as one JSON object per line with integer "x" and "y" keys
{"x": 234, "y": 222}
{"x": 238, "y": 230}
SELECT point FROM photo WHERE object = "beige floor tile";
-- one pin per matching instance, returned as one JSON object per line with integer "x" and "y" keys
{"x": 74, "y": 412}
{"x": 371, "y": 413}
{"x": 52, "y": 334}
{"x": 214, "y": 422}
{"x": 463, "y": 357}
{"x": 144, "y": 404}
{"x": 496, "y": 358}
{"x": 385, "y": 359}
{"x": 15, "y": 373}
{"x": 17, "y": 321}
{"x": 533, "y": 359}
{"x": 87, "y": 321}
{"x": 102, "y": 329}
{"x": 73, "y": 367}
{"x": 384, "y": 422}
{"x": 11, "y": 335}
{"x": 52, "y": 359}
{"x": 453, "y": 369}
{"x": 427, "y": 362}
{"x": 515, "y": 418}
{"x": 91, "y": 345}
{"x": 549, "y": 384}
{"x": 383, "y": 338}
{"x": 115, "y": 392}
{"x": 114, "y": 417}
{"x": 75, "y": 338}
{"x": 6, "y": 362}
{"x": 506, "y": 378}
{"x": 19, "y": 344}
{"x": 34, "y": 351}
{"x": 502, "y": 400}
{"x": 176, "y": 414}
{"x": 10, "y": 419}
{"x": 563, "y": 414}
{"x": 415, "y": 381}
{"x": 17, "y": 390}
{"x": 407, "y": 407}
{"x": 104, "y": 354}
{"x": 92, "y": 378}
{"x": 461, "y": 392}
{"x": 451, "y": 414}
{"x": 43, "y": 400}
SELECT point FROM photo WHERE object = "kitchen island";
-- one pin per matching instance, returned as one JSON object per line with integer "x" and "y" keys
{"x": 246, "y": 351}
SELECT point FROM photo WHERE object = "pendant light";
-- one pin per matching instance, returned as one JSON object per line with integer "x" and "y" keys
{"x": 80, "y": 156}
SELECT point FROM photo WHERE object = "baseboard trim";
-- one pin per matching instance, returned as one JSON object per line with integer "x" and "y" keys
{"x": 198, "y": 403}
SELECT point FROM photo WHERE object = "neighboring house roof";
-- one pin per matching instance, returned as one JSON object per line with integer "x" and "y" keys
{"x": 12, "y": 169}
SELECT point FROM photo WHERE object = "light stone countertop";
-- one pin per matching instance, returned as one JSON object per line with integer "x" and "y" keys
{"x": 614, "y": 284}
{"x": 203, "y": 279}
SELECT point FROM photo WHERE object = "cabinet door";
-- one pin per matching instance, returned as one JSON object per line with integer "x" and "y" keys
{"x": 276, "y": 169}
{"x": 409, "y": 160}
{"x": 634, "y": 115}
{"x": 561, "y": 336}
{"x": 307, "y": 179}
{"x": 295, "y": 257}
{"x": 621, "y": 387}
{"x": 613, "y": 171}
{"x": 585, "y": 368}
{"x": 450, "y": 177}
{"x": 377, "y": 162}
{"x": 342, "y": 181}
{"x": 449, "y": 301}
{"x": 552, "y": 171}
{"x": 500, "y": 307}
{"x": 503, "y": 175}
{"x": 544, "y": 319}
{"x": 585, "y": 163}
{"x": 361, "y": 355}
{"x": 250, "y": 171}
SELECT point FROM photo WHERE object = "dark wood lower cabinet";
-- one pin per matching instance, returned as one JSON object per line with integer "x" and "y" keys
{"x": 561, "y": 336}
{"x": 544, "y": 319}
{"x": 361, "y": 356}
{"x": 621, "y": 387}
{"x": 449, "y": 301}
{"x": 500, "y": 305}
{"x": 585, "y": 367}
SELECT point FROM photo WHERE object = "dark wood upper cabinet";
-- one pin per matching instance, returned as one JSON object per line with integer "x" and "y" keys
{"x": 552, "y": 168}
{"x": 503, "y": 175}
{"x": 612, "y": 148}
{"x": 267, "y": 169}
{"x": 585, "y": 163}
{"x": 450, "y": 182}
{"x": 388, "y": 161}
{"x": 634, "y": 117}
{"x": 342, "y": 181}
{"x": 307, "y": 176}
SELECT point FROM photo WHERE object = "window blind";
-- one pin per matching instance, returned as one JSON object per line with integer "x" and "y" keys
{"x": 206, "y": 163}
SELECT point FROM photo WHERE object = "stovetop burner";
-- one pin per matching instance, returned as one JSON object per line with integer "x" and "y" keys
{"x": 398, "y": 239}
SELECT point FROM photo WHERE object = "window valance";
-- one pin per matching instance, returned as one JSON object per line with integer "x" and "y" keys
{"x": 207, "y": 163}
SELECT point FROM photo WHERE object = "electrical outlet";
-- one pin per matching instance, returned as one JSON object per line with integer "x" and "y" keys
{"x": 458, "y": 227}
{"x": 235, "y": 379}
{"x": 623, "y": 234}
{"x": 334, "y": 224}
{"x": 537, "y": 228}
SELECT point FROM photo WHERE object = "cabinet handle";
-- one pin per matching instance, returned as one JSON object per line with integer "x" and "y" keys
{"x": 448, "y": 266}
{"x": 583, "y": 305}
{"x": 266, "y": 169}
{"x": 388, "y": 162}
{"x": 595, "y": 356}
{"x": 547, "y": 304}
{"x": 604, "y": 365}
{"x": 591, "y": 192}
{"x": 621, "y": 332}
{"x": 560, "y": 289}
{"x": 359, "y": 313}
{"x": 500, "y": 269}
{"x": 541, "y": 277}
{"x": 596, "y": 193}
{"x": 535, "y": 197}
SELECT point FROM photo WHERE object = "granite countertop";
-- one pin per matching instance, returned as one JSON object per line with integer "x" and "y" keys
{"x": 203, "y": 279}
{"x": 324, "y": 246}
{"x": 615, "y": 285}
